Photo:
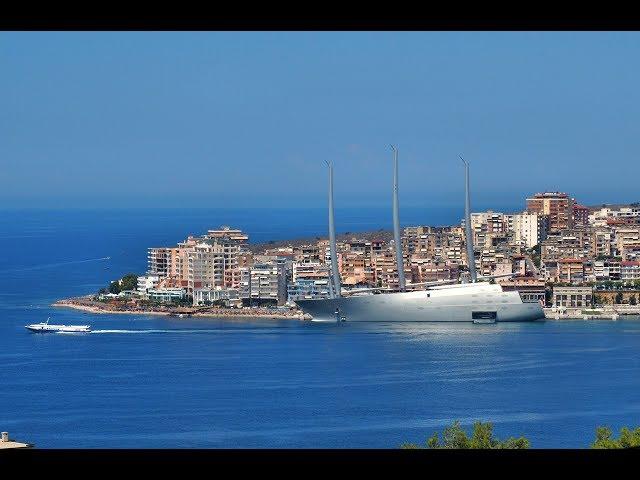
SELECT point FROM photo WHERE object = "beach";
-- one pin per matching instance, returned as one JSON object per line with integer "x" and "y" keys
{"x": 87, "y": 304}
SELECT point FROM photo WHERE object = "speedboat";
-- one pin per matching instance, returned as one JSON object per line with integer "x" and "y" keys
{"x": 46, "y": 327}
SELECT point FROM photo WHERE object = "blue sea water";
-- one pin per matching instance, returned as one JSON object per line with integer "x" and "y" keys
{"x": 149, "y": 381}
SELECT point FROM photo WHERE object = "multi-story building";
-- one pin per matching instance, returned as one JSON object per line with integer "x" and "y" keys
{"x": 147, "y": 282}
{"x": 580, "y": 215}
{"x": 166, "y": 295}
{"x": 267, "y": 284}
{"x": 206, "y": 266}
{"x": 529, "y": 228}
{"x": 385, "y": 269}
{"x": 159, "y": 261}
{"x": 308, "y": 254}
{"x": 309, "y": 280}
{"x": 601, "y": 242}
{"x": 557, "y": 205}
{"x": 571, "y": 270}
{"x": 205, "y": 296}
{"x": 606, "y": 270}
{"x": 531, "y": 289}
{"x": 572, "y": 296}
{"x": 629, "y": 271}
{"x": 206, "y": 262}
{"x": 424, "y": 270}
{"x": 355, "y": 268}
{"x": 627, "y": 242}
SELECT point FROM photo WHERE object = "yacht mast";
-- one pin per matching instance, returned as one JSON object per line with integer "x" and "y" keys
{"x": 467, "y": 223}
{"x": 332, "y": 239}
{"x": 396, "y": 222}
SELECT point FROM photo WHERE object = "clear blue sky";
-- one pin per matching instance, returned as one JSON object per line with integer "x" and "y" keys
{"x": 247, "y": 118}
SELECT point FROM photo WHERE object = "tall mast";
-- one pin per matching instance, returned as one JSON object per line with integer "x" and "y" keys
{"x": 396, "y": 222}
{"x": 467, "y": 223}
{"x": 332, "y": 239}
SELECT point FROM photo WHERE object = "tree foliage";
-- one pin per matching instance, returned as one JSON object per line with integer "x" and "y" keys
{"x": 129, "y": 282}
{"x": 114, "y": 287}
{"x": 627, "y": 439}
{"x": 454, "y": 437}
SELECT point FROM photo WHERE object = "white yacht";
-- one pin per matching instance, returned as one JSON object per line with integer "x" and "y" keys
{"x": 46, "y": 327}
{"x": 477, "y": 302}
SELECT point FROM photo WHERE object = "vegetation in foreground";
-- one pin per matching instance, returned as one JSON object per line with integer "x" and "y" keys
{"x": 482, "y": 437}
{"x": 454, "y": 436}
{"x": 628, "y": 438}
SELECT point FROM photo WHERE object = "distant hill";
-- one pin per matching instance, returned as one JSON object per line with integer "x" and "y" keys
{"x": 385, "y": 235}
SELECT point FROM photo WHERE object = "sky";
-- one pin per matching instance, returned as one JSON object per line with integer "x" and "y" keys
{"x": 247, "y": 119}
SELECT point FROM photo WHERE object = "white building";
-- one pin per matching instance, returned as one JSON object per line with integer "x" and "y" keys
{"x": 202, "y": 296}
{"x": 529, "y": 229}
{"x": 630, "y": 271}
{"x": 166, "y": 295}
{"x": 267, "y": 283}
{"x": 147, "y": 282}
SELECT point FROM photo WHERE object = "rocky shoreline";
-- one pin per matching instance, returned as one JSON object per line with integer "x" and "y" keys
{"x": 88, "y": 304}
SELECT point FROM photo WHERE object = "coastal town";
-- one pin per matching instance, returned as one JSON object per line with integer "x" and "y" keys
{"x": 571, "y": 258}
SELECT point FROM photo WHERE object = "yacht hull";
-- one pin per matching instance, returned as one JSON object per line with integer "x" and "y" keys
{"x": 423, "y": 307}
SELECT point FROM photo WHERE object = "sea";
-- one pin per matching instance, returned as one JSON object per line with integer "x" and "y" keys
{"x": 141, "y": 381}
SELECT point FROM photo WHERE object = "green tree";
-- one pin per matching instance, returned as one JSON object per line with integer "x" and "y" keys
{"x": 482, "y": 437}
{"x": 114, "y": 287}
{"x": 410, "y": 446}
{"x": 618, "y": 299}
{"x": 633, "y": 300}
{"x": 627, "y": 439}
{"x": 129, "y": 282}
{"x": 455, "y": 437}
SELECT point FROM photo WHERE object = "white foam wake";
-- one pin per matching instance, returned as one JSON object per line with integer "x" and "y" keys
{"x": 52, "y": 265}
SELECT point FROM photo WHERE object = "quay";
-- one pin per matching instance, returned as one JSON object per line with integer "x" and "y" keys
{"x": 603, "y": 313}
{"x": 7, "y": 443}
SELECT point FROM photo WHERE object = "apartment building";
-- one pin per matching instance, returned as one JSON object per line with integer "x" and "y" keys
{"x": 627, "y": 242}
{"x": 571, "y": 270}
{"x": 629, "y": 271}
{"x": 309, "y": 280}
{"x": 267, "y": 284}
{"x": 529, "y": 228}
{"x": 606, "y": 270}
{"x": 557, "y": 205}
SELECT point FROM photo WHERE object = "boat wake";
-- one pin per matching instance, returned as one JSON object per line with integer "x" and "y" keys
{"x": 155, "y": 331}
{"x": 53, "y": 265}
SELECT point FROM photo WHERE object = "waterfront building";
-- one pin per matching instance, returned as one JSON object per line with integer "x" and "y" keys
{"x": 557, "y": 205}
{"x": 572, "y": 296}
{"x": 267, "y": 284}
{"x": 166, "y": 295}
{"x": 147, "y": 282}
{"x": 309, "y": 280}
{"x": 206, "y": 266}
{"x": 531, "y": 289}
{"x": 204, "y": 296}
{"x": 159, "y": 261}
